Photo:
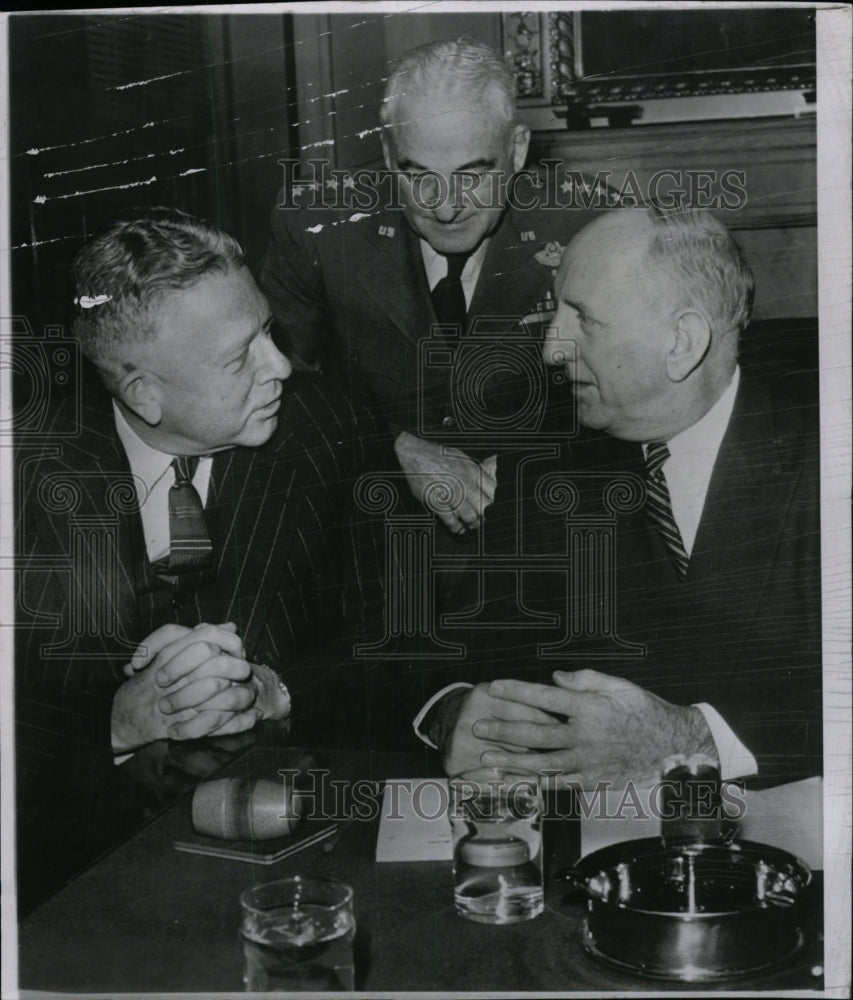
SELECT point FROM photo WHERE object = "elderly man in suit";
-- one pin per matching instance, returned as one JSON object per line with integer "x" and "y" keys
{"x": 455, "y": 240}
{"x": 187, "y": 544}
{"x": 712, "y": 644}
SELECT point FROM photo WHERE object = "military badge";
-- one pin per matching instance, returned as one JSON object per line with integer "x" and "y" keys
{"x": 551, "y": 255}
{"x": 542, "y": 312}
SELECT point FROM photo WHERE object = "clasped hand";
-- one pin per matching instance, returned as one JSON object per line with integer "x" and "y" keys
{"x": 185, "y": 683}
{"x": 587, "y": 728}
{"x": 429, "y": 466}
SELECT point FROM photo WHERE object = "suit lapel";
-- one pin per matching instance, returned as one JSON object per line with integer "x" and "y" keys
{"x": 95, "y": 528}
{"x": 510, "y": 281}
{"x": 747, "y": 498}
{"x": 253, "y": 519}
{"x": 394, "y": 277}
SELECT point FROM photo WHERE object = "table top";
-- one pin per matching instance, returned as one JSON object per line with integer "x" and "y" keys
{"x": 149, "y": 918}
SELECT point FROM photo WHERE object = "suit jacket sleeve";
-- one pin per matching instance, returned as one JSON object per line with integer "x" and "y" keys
{"x": 772, "y": 698}
{"x": 337, "y": 593}
{"x": 67, "y": 786}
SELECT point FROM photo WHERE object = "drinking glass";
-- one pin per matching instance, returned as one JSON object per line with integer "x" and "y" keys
{"x": 298, "y": 935}
{"x": 496, "y": 824}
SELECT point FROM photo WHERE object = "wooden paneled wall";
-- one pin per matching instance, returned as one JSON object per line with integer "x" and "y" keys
{"x": 776, "y": 224}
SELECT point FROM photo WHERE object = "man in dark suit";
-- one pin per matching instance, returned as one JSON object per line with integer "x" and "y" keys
{"x": 709, "y": 640}
{"x": 453, "y": 238}
{"x": 168, "y": 609}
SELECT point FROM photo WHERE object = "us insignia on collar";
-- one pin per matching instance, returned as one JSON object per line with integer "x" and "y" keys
{"x": 528, "y": 236}
{"x": 386, "y": 230}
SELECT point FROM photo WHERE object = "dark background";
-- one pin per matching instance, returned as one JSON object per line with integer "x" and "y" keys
{"x": 183, "y": 139}
{"x": 669, "y": 42}
{"x": 111, "y": 111}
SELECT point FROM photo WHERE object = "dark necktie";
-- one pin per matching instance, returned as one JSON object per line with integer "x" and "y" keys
{"x": 659, "y": 504}
{"x": 190, "y": 548}
{"x": 448, "y": 296}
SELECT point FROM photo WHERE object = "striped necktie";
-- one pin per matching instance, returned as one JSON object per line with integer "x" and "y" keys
{"x": 190, "y": 548}
{"x": 659, "y": 504}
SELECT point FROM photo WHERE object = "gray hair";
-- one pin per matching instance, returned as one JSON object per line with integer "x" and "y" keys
{"x": 119, "y": 279}
{"x": 702, "y": 265}
{"x": 466, "y": 66}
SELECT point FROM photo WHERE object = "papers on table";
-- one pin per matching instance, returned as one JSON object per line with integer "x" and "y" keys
{"x": 414, "y": 824}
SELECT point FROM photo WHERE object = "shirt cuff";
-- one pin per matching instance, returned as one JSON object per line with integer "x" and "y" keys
{"x": 419, "y": 718}
{"x": 735, "y": 760}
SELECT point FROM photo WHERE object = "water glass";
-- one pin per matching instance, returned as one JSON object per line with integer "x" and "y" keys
{"x": 496, "y": 824}
{"x": 298, "y": 936}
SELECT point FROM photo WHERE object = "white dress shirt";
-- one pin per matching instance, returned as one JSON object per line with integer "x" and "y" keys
{"x": 688, "y": 472}
{"x": 436, "y": 268}
{"x": 153, "y": 477}
{"x": 692, "y": 455}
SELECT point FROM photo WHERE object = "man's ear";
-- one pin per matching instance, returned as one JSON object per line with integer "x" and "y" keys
{"x": 520, "y": 142}
{"x": 140, "y": 392}
{"x": 690, "y": 344}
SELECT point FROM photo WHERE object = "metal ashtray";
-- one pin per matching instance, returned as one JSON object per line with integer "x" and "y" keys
{"x": 693, "y": 912}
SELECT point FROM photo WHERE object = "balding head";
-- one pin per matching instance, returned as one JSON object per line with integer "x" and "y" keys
{"x": 691, "y": 262}
{"x": 654, "y": 302}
